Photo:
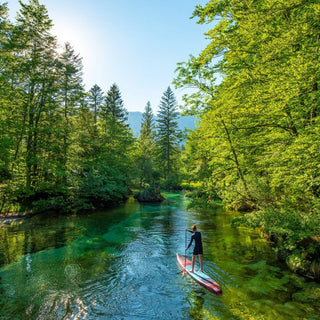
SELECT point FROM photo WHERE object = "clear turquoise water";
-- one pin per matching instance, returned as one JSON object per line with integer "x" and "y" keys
{"x": 121, "y": 264}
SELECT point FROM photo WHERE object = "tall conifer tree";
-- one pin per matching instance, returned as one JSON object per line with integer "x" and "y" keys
{"x": 167, "y": 133}
{"x": 147, "y": 124}
{"x": 96, "y": 100}
{"x": 146, "y": 146}
{"x": 117, "y": 135}
{"x": 114, "y": 113}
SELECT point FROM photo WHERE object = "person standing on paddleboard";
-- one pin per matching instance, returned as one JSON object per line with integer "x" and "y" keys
{"x": 197, "y": 250}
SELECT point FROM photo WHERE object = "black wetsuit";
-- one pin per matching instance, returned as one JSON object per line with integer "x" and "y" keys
{"x": 198, "y": 243}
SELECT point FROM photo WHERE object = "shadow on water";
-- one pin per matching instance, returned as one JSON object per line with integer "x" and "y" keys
{"x": 121, "y": 264}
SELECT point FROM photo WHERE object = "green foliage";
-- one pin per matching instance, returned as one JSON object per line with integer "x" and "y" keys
{"x": 258, "y": 138}
{"x": 168, "y": 134}
{"x": 103, "y": 187}
{"x": 258, "y": 129}
{"x": 96, "y": 100}
{"x": 57, "y": 203}
{"x": 145, "y": 153}
{"x": 113, "y": 112}
{"x": 173, "y": 182}
{"x": 295, "y": 235}
{"x": 147, "y": 125}
{"x": 60, "y": 148}
{"x": 204, "y": 197}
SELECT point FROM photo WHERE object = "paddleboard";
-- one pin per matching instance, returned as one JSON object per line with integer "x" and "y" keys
{"x": 199, "y": 276}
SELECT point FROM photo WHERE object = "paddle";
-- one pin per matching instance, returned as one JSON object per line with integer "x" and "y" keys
{"x": 185, "y": 253}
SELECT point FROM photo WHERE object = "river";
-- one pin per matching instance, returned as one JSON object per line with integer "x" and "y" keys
{"x": 121, "y": 264}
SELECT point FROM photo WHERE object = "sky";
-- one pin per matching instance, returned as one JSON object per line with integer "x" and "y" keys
{"x": 133, "y": 43}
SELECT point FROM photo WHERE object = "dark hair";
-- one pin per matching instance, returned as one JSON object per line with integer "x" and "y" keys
{"x": 194, "y": 227}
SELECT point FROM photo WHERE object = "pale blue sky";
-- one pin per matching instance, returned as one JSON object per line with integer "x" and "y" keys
{"x": 134, "y": 43}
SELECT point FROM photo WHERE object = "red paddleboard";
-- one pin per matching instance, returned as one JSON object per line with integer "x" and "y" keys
{"x": 199, "y": 276}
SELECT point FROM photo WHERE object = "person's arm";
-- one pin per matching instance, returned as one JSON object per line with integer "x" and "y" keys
{"x": 189, "y": 243}
{"x": 189, "y": 230}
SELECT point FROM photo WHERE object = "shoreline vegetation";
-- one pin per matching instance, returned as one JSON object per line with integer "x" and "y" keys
{"x": 255, "y": 149}
{"x": 256, "y": 94}
{"x": 300, "y": 259}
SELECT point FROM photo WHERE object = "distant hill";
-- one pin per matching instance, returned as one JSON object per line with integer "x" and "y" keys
{"x": 135, "y": 118}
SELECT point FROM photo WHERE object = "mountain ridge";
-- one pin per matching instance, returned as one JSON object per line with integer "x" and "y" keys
{"x": 135, "y": 119}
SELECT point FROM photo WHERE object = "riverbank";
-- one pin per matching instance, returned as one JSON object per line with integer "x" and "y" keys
{"x": 9, "y": 218}
{"x": 66, "y": 207}
{"x": 61, "y": 204}
{"x": 295, "y": 240}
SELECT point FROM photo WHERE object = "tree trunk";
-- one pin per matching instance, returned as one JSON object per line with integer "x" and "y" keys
{"x": 235, "y": 158}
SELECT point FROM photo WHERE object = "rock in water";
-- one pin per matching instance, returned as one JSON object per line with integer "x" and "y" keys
{"x": 151, "y": 194}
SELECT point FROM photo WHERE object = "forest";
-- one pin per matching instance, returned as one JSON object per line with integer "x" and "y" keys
{"x": 63, "y": 148}
{"x": 255, "y": 149}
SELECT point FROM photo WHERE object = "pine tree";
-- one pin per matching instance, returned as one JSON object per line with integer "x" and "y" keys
{"x": 147, "y": 124}
{"x": 96, "y": 100}
{"x": 113, "y": 111}
{"x": 116, "y": 133}
{"x": 167, "y": 133}
{"x": 146, "y": 147}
